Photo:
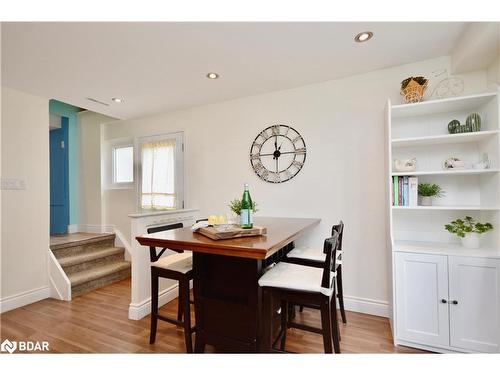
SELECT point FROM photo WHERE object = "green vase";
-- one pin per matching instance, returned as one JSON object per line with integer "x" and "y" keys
{"x": 473, "y": 122}
{"x": 453, "y": 126}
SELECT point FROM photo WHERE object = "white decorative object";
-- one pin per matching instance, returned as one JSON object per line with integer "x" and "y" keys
{"x": 447, "y": 86}
{"x": 407, "y": 165}
{"x": 484, "y": 163}
{"x": 471, "y": 240}
{"x": 456, "y": 163}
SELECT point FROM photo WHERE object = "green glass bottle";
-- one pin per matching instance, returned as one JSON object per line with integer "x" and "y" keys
{"x": 246, "y": 220}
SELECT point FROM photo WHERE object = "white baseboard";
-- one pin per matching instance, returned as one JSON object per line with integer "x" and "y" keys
{"x": 137, "y": 311}
{"x": 73, "y": 228}
{"x": 366, "y": 306}
{"x": 23, "y": 299}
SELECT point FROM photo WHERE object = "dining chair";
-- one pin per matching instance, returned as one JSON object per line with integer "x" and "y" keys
{"x": 177, "y": 267}
{"x": 315, "y": 257}
{"x": 297, "y": 284}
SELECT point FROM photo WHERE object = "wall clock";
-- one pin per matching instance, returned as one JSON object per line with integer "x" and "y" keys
{"x": 278, "y": 153}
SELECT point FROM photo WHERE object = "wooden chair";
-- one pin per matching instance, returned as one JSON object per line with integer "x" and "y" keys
{"x": 177, "y": 267}
{"x": 315, "y": 257}
{"x": 298, "y": 284}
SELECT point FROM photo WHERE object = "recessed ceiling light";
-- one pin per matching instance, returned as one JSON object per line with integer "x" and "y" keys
{"x": 363, "y": 37}
{"x": 117, "y": 100}
{"x": 212, "y": 75}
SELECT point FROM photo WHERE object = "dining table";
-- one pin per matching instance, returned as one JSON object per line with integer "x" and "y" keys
{"x": 227, "y": 297}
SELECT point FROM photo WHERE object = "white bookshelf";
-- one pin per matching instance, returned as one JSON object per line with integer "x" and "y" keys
{"x": 426, "y": 261}
{"x": 420, "y": 131}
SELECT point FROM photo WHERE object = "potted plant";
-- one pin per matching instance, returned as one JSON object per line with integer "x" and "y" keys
{"x": 468, "y": 231}
{"x": 429, "y": 191}
{"x": 235, "y": 207}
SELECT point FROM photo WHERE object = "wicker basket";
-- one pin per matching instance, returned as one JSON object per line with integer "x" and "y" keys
{"x": 414, "y": 92}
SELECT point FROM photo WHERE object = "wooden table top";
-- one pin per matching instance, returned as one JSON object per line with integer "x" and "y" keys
{"x": 280, "y": 232}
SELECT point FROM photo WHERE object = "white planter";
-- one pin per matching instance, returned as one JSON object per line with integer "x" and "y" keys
{"x": 426, "y": 201}
{"x": 471, "y": 240}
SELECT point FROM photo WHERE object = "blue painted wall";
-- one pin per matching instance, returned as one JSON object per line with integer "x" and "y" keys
{"x": 69, "y": 111}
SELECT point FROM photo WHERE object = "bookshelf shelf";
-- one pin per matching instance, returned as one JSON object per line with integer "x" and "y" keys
{"x": 444, "y": 139}
{"x": 468, "y": 103}
{"x": 440, "y": 248}
{"x": 459, "y": 172}
{"x": 448, "y": 208}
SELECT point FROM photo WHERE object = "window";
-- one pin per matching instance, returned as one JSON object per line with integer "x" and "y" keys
{"x": 123, "y": 165}
{"x": 118, "y": 163}
{"x": 161, "y": 186}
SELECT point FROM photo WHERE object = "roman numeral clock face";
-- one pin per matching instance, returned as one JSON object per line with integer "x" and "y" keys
{"x": 278, "y": 153}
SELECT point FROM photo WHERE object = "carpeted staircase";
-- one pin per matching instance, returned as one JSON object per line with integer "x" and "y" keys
{"x": 92, "y": 263}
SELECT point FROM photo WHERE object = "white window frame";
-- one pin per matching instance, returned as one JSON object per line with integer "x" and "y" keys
{"x": 178, "y": 172}
{"x": 112, "y": 145}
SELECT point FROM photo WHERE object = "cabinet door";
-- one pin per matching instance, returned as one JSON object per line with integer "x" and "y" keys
{"x": 421, "y": 298}
{"x": 474, "y": 319}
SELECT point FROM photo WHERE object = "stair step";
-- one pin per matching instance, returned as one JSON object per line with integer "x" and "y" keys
{"x": 82, "y": 261}
{"x": 101, "y": 282}
{"x": 99, "y": 242}
{"x": 96, "y": 273}
{"x": 97, "y": 237}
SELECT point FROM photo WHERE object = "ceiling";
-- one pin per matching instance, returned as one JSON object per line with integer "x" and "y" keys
{"x": 160, "y": 67}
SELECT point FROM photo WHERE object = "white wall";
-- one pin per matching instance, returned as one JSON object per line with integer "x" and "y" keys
{"x": 342, "y": 123}
{"x": 25, "y": 213}
{"x": 89, "y": 173}
{"x": 477, "y": 47}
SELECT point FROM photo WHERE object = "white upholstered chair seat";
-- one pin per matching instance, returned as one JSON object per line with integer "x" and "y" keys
{"x": 180, "y": 262}
{"x": 296, "y": 277}
{"x": 311, "y": 253}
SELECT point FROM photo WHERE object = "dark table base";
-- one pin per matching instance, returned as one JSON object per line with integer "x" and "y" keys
{"x": 228, "y": 301}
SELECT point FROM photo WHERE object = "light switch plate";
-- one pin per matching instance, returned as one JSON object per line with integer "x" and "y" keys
{"x": 13, "y": 184}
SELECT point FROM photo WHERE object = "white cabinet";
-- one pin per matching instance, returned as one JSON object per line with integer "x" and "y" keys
{"x": 475, "y": 303}
{"x": 447, "y": 302}
{"x": 421, "y": 285}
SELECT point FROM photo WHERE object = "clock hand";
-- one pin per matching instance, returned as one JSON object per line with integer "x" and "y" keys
{"x": 277, "y": 166}
{"x": 275, "y": 145}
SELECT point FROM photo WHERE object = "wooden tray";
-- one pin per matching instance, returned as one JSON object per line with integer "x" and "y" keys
{"x": 212, "y": 233}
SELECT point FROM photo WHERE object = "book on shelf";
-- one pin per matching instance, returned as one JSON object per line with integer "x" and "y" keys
{"x": 405, "y": 191}
{"x": 412, "y": 191}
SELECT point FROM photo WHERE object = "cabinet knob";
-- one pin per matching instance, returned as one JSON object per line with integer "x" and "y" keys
{"x": 455, "y": 302}
{"x": 444, "y": 301}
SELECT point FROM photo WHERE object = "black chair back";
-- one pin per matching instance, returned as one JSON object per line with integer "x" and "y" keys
{"x": 338, "y": 228}
{"x": 330, "y": 249}
{"x": 153, "y": 255}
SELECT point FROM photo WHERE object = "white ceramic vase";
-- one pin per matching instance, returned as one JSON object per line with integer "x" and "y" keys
{"x": 471, "y": 240}
{"x": 426, "y": 201}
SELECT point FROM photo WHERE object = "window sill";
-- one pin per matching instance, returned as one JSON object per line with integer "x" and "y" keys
{"x": 123, "y": 186}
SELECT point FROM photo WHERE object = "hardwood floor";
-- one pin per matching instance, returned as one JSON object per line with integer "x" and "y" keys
{"x": 97, "y": 322}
